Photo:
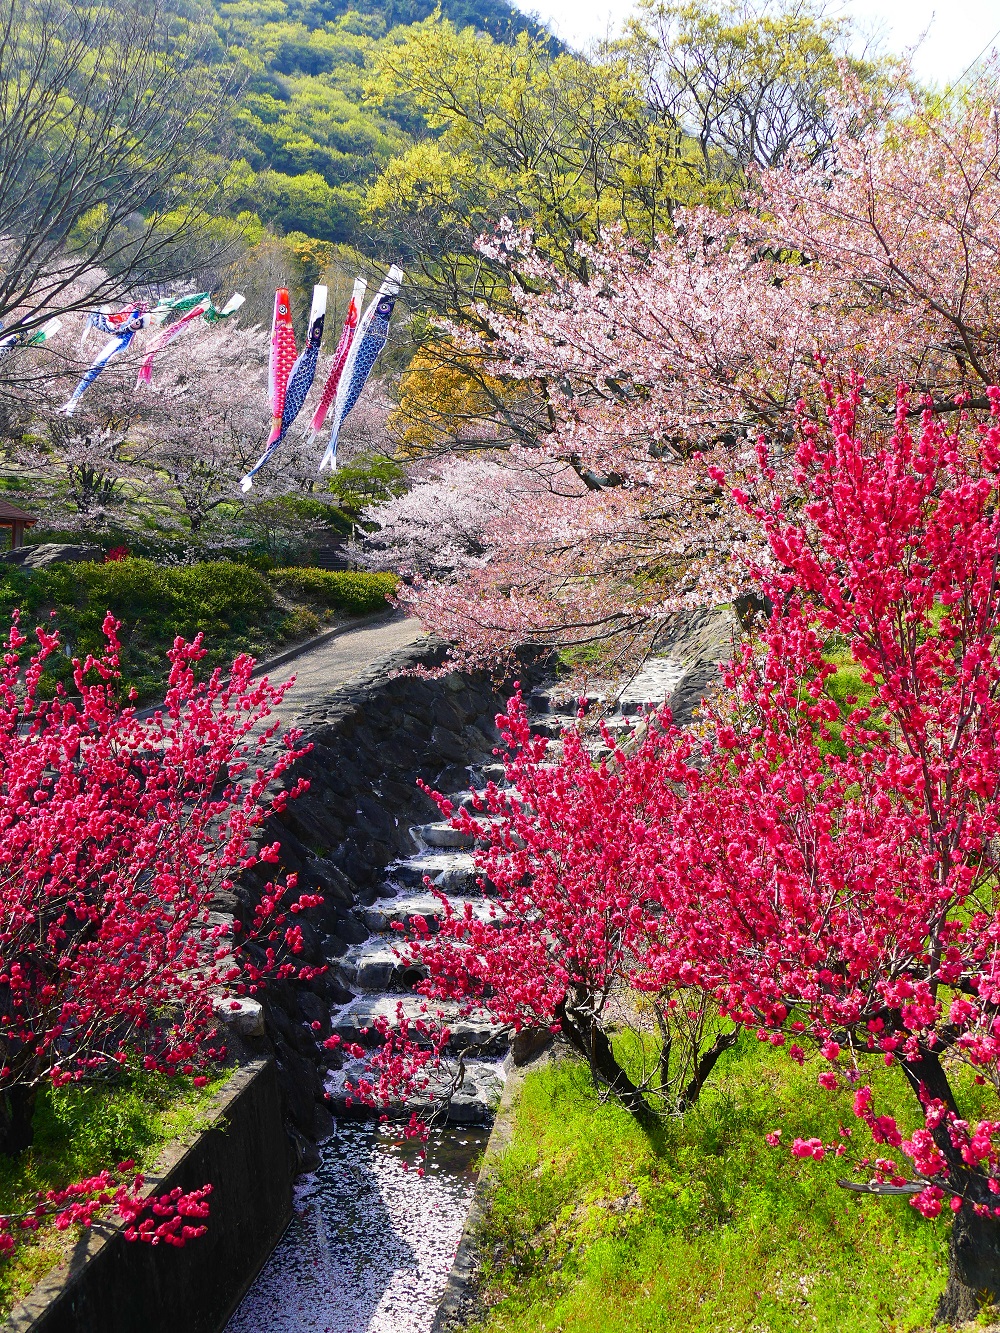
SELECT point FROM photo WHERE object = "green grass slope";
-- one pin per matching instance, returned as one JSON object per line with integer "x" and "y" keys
{"x": 79, "y": 1130}
{"x": 238, "y": 610}
{"x": 597, "y": 1227}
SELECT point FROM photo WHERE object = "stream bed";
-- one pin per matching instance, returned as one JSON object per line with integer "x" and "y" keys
{"x": 371, "y": 1242}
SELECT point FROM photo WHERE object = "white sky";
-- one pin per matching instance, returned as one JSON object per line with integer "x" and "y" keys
{"x": 957, "y": 30}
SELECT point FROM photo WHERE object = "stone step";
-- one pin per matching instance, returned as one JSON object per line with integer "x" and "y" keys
{"x": 385, "y": 913}
{"x": 593, "y": 745}
{"x": 554, "y": 727}
{"x": 355, "y": 1022}
{"x": 466, "y": 800}
{"x": 559, "y": 703}
{"x": 377, "y": 966}
{"x": 651, "y": 687}
{"x": 474, "y": 1102}
{"x": 451, "y": 872}
{"x": 551, "y": 725}
{"x": 441, "y": 835}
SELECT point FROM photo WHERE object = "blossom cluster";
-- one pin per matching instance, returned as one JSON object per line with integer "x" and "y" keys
{"x": 818, "y": 861}
{"x": 117, "y": 835}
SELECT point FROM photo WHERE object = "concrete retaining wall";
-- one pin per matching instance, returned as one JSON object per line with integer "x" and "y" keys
{"x": 115, "y": 1286}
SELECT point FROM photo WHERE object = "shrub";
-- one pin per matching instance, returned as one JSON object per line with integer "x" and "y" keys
{"x": 232, "y": 604}
{"x": 354, "y": 593}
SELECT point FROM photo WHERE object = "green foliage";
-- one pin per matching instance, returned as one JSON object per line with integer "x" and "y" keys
{"x": 78, "y": 1130}
{"x": 751, "y": 85}
{"x": 311, "y": 142}
{"x": 586, "y": 153}
{"x": 233, "y": 605}
{"x": 355, "y": 594}
{"x": 598, "y": 1227}
{"x": 366, "y": 480}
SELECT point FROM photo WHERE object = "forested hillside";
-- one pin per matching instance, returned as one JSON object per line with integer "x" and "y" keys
{"x": 310, "y": 140}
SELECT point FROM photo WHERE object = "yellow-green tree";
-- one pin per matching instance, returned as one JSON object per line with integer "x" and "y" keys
{"x": 751, "y": 85}
{"x": 558, "y": 143}
{"x": 679, "y": 112}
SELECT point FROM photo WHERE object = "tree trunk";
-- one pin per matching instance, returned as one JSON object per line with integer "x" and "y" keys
{"x": 17, "y": 1110}
{"x": 587, "y": 1037}
{"x": 704, "y": 1064}
{"x": 973, "y": 1267}
{"x": 974, "y": 1245}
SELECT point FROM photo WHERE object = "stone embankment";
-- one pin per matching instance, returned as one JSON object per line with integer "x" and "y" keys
{"x": 371, "y": 740}
{"x": 109, "y": 1285}
{"x": 365, "y": 836}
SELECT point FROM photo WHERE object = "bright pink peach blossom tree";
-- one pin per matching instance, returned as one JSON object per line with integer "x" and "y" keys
{"x": 819, "y": 864}
{"x": 117, "y": 833}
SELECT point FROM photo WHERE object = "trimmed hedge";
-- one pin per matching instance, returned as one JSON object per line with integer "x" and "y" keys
{"x": 237, "y": 609}
{"x": 355, "y": 594}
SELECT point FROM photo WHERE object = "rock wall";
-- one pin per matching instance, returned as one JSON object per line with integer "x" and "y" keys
{"x": 115, "y": 1286}
{"x": 371, "y": 740}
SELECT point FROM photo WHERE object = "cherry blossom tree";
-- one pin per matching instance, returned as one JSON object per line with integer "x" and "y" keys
{"x": 168, "y": 457}
{"x": 204, "y": 420}
{"x": 669, "y": 361}
{"x": 440, "y": 526}
{"x": 85, "y": 469}
{"x": 204, "y": 424}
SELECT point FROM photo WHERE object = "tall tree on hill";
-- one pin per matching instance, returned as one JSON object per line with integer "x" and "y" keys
{"x": 108, "y": 124}
{"x": 749, "y": 85}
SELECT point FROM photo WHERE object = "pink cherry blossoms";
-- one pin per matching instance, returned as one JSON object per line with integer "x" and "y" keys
{"x": 668, "y": 362}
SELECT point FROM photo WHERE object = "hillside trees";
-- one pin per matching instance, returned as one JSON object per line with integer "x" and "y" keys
{"x": 663, "y": 363}
{"x": 750, "y": 87}
{"x": 310, "y": 141}
{"x": 109, "y": 126}
{"x": 566, "y": 147}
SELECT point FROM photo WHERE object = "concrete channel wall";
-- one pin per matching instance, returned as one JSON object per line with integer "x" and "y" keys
{"x": 112, "y": 1285}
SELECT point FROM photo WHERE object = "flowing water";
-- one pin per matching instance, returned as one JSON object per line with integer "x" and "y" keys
{"x": 371, "y": 1242}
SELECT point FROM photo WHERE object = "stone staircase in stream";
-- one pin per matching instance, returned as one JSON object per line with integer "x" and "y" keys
{"x": 373, "y": 969}
{"x": 382, "y": 983}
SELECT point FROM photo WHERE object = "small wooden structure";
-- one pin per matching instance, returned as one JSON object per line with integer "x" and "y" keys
{"x": 17, "y": 520}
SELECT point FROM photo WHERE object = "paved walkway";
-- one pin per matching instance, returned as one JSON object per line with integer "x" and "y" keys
{"x": 339, "y": 660}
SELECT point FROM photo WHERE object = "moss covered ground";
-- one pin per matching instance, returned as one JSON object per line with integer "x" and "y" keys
{"x": 597, "y": 1226}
